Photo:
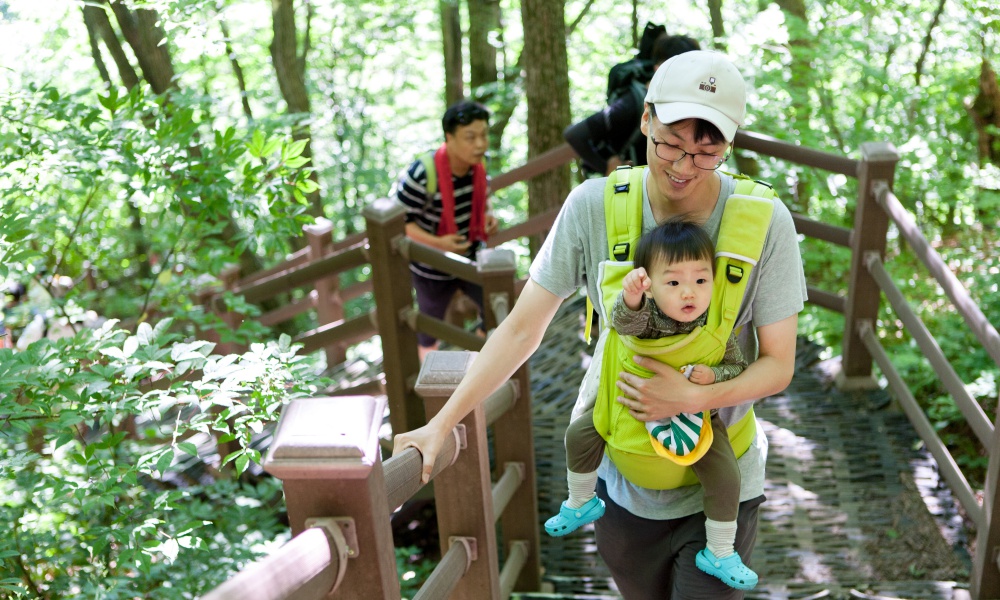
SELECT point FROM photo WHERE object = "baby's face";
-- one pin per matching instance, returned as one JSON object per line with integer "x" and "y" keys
{"x": 682, "y": 290}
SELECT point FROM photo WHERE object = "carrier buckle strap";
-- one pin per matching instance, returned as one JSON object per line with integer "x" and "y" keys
{"x": 621, "y": 251}
{"x": 734, "y": 274}
{"x": 622, "y": 178}
{"x": 623, "y": 225}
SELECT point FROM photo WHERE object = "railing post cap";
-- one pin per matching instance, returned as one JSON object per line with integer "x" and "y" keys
{"x": 495, "y": 259}
{"x": 326, "y": 437}
{"x": 383, "y": 210}
{"x": 322, "y": 226}
{"x": 879, "y": 152}
{"x": 442, "y": 371}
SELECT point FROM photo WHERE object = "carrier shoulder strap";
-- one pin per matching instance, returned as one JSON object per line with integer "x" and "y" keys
{"x": 623, "y": 220}
{"x": 428, "y": 161}
{"x": 623, "y": 211}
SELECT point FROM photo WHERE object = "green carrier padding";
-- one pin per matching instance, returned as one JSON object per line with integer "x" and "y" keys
{"x": 741, "y": 239}
{"x": 428, "y": 161}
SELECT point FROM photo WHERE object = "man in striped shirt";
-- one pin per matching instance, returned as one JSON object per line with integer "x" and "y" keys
{"x": 445, "y": 195}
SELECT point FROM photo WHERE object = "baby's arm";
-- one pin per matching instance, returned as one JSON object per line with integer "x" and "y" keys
{"x": 702, "y": 375}
{"x": 634, "y": 287}
{"x": 733, "y": 363}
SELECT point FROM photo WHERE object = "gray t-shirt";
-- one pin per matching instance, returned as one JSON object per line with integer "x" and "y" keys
{"x": 570, "y": 258}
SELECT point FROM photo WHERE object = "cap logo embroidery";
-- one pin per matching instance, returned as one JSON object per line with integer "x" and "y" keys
{"x": 708, "y": 87}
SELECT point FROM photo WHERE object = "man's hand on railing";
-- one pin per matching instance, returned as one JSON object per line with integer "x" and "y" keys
{"x": 427, "y": 440}
{"x": 492, "y": 224}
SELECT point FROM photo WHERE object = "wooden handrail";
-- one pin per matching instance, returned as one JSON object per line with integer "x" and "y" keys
{"x": 971, "y": 410}
{"x": 544, "y": 162}
{"x": 949, "y": 468}
{"x": 765, "y": 144}
{"x": 310, "y": 565}
{"x": 973, "y": 316}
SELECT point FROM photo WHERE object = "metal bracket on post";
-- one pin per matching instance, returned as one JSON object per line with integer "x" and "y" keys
{"x": 500, "y": 303}
{"x": 461, "y": 441}
{"x": 340, "y": 529}
{"x": 343, "y": 540}
{"x": 471, "y": 546}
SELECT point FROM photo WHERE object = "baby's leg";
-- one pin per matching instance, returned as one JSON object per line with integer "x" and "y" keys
{"x": 720, "y": 478}
{"x": 584, "y": 450}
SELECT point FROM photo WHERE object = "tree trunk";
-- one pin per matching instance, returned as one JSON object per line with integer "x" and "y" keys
{"x": 985, "y": 112}
{"x": 451, "y": 37}
{"x": 97, "y": 18}
{"x": 718, "y": 25}
{"x": 484, "y": 20}
{"x": 148, "y": 41}
{"x": 237, "y": 70}
{"x": 547, "y": 92}
{"x": 94, "y": 36}
{"x": 290, "y": 70}
{"x": 800, "y": 76}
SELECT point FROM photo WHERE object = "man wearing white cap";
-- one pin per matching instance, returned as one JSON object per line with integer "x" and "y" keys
{"x": 649, "y": 538}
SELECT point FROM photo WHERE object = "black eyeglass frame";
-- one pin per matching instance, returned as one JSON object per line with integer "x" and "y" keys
{"x": 694, "y": 156}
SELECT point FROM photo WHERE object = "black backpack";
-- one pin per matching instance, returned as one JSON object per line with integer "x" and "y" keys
{"x": 624, "y": 76}
{"x": 631, "y": 77}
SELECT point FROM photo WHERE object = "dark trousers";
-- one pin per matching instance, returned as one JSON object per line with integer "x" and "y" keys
{"x": 654, "y": 560}
{"x": 433, "y": 296}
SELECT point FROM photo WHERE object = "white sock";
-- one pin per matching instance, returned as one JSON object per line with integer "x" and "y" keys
{"x": 720, "y": 535}
{"x": 581, "y": 488}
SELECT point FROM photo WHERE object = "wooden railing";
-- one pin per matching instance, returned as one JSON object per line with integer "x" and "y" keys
{"x": 475, "y": 554}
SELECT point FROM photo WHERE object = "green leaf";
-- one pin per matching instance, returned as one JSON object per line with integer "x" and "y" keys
{"x": 293, "y": 149}
{"x": 145, "y": 335}
{"x": 166, "y": 459}
{"x": 188, "y": 448}
{"x": 307, "y": 186}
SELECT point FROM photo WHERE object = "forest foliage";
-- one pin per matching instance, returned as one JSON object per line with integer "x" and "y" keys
{"x": 145, "y": 146}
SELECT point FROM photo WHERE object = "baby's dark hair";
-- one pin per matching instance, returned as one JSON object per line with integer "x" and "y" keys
{"x": 676, "y": 239}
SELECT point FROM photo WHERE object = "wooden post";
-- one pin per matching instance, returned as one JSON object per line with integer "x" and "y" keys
{"x": 878, "y": 163}
{"x": 985, "y": 580}
{"x": 463, "y": 492}
{"x": 326, "y": 453}
{"x": 393, "y": 291}
{"x": 329, "y": 305}
{"x": 513, "y": 439}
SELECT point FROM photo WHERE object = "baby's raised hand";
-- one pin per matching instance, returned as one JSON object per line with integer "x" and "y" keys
{"x": 633, "y": 287}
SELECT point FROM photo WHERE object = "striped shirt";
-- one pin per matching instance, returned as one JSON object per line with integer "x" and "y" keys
{"x": 411, "y": 193}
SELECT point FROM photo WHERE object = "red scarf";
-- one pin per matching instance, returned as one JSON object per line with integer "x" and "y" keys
{"x": 477, "y": 220}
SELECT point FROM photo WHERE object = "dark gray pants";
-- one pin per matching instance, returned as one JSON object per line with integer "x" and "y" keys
{"x": 654, "y": 560}
{"x": 718, "y": 471}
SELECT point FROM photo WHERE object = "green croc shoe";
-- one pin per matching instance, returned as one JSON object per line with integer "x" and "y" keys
{"x": 730, "y": 570}
{"x": 570, "y": 519}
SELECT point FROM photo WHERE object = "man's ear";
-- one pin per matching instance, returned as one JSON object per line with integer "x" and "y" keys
{"x": 644, "y": 121}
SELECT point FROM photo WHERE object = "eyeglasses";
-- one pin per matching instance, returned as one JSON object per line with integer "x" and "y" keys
{"x": 671, "y": 153}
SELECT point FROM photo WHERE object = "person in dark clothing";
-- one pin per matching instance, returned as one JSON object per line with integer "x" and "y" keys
{"x": 611, "y": 136}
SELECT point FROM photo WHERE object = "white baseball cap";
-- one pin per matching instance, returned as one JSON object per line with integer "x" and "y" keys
{"x": 700, "y": 84}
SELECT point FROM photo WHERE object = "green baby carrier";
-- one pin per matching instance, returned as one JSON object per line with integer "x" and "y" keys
{"x": 638, "y": 456}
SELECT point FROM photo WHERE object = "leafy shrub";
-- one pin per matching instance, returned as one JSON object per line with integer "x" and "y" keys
{"x": 95, "y": 462}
